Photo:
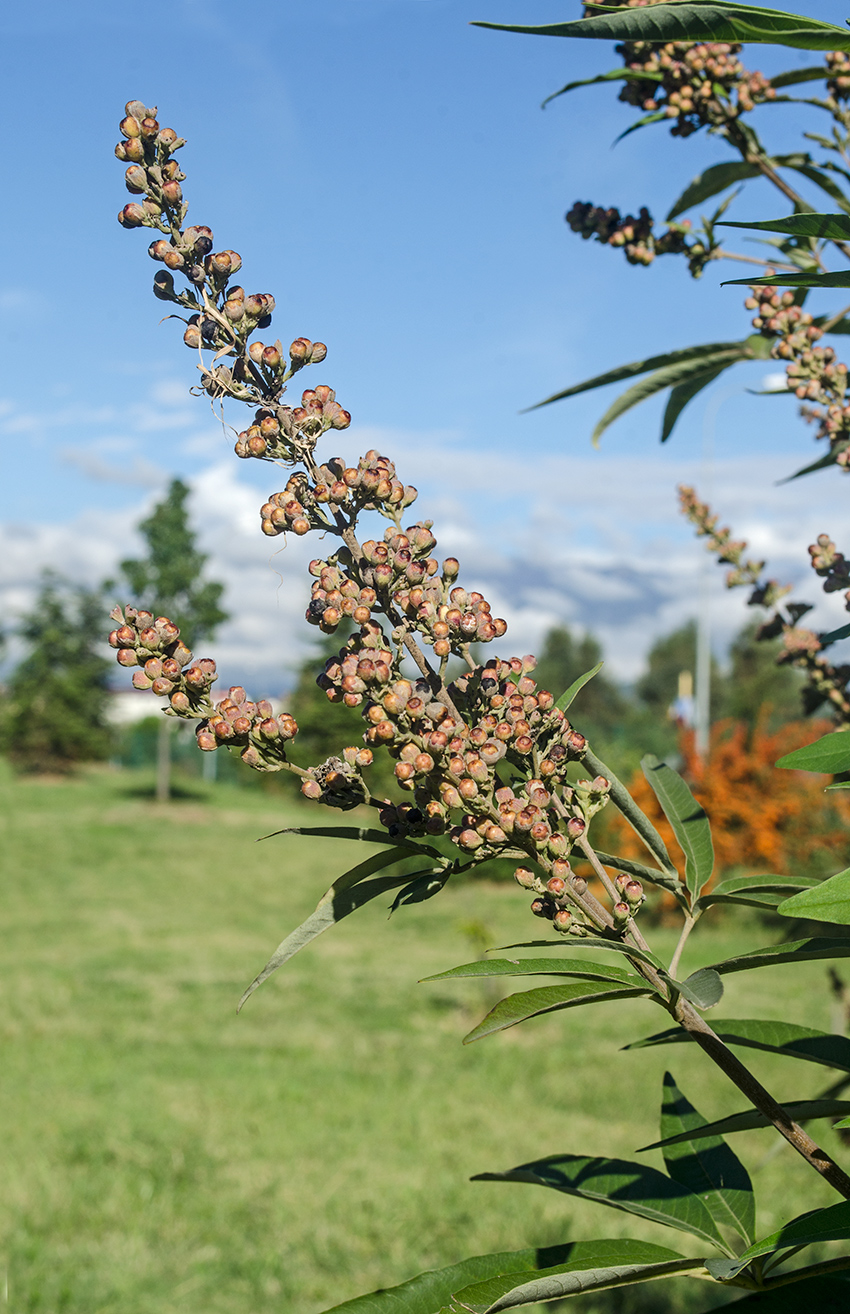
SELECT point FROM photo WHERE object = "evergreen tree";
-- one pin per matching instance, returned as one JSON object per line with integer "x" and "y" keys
{"x": 756, "y": 686}
{"x": 55, "y": 714}
{"x": 668, "y": 657}
{"x": 168, "y": 581}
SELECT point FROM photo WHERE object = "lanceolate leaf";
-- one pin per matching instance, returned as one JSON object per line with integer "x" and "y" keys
{"x": 589, "y": 942}
{"x": 756, "y": 891}
{"x": 550, "y": 999}
{"x": 633, "y": 1187}
{"x": 775, "y": 1037}
{"x": 348, "y": 893}
{"x": 688, "y": 819}
{"x": 655, "y": 117}
{"x": 683, "y": 20}
{"x": 820, "y": 464}
{"x": 431, "y": 1291}
{"x": 540, "y": 967}
{"x": 826, "y": 1295}
{"x": 713, "y": 180}
{"x": 826, "y": 184}
{"x": 618, "y": 1270}
{"x": 827, "y": 902}
{"x": 796, "y": 75}
{"x": 843, "y": 632}
{"x": 798, "y": 951}
{"x": 568, "y": 695}
{"x": 840, "y": 278}
{"x": 706, "y": 1165}
{"x": 669, "y": 377}
{"x": 752, "y": 1120}
{"x": 684, "y": 393}
{"x": 613, "y": 75}
{"x": 643, "y": 367}
{"x": 831, "y": 1224}
{"x": 363, "y": 833}
{"x": 829, "y": 755}
{"x": 822, "y": 226}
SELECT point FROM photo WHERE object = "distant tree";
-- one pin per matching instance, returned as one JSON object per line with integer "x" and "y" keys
{"x": 667, "y": 658}
{"x": 168, "y": 582}
{"x": 55, "y": 712}
{"x": 600, "y": 705}
{"x": 756, "y": 688}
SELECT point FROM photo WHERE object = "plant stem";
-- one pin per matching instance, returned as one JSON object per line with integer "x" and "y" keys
{"x": 720, "y": 254}
{"x": 690, "y": 923}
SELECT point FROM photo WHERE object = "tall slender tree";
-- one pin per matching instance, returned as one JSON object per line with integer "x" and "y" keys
{"x": 169, "y": 581}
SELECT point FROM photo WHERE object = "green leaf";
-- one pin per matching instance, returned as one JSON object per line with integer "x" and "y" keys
{"x": 539, "y": 967}
{"x": 833, "y": 636}
{"x": 828, "y": 755}
{"x": 786, "y": 1038}
{"x": 613, "y": 75}
{"x": 796, "y": 75}
{"x": 684, "y": 393}
{"x": 655, "y": 117}
{"x": 429, "y": 1292}
{"x": 825, "y": 227}
{"x": 422, "y": 885}
{"x": 711, "y": 181}
{"x": 589, "y": 942}
{"x": 840, "y": 278}
{"x": 641, "y": 367}
{"x": 668, "y": 377}
{"x": 568, "y": 695}
{"x": 752, "y": 1120}
{"x": 549, "y": 999}
{"x": 348, "y": 893}
{"x": 688, "y": 819}
{"x": 756, "y": 891}
{"x": 363, "y": 833}
{"x": 684, "y": 20}
{"x": 798, "y": 951}
{"x": 831, "y": 1224}
{"x": 632, "y": 1187}
{"x": 704, "y": 988}
{"x": 616, "y": 1264}
{"x": 820, "y": 464}
{"x": 822, "y": 180}
{"x": 827, "y": 902}
{"x": 706, "y": 1165}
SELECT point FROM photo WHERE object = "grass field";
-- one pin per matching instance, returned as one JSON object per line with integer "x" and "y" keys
{"x": 162, "y": 1154}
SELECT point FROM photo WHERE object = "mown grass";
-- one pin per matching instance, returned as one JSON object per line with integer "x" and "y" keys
{"x": 162, "y": 1154}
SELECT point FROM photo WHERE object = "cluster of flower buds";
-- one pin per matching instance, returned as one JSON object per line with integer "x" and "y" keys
{"x": 371, "y": 486}
{"x": 694, "y": 85}
{"x": 252, "y": 727}
{"x": 556, "y": 898}
{"x": 338, "y": 782}
{"x": 146, "y": 149}
{"x": 153, "y": 645}
{"x": 277, "y": 432}
{"x": 832, "y": 566}
{"x": 634, "y": 236}
{"x": 814, "y": 375}
{"x": 838, "y": 86}
{"x": 720, "y": 542}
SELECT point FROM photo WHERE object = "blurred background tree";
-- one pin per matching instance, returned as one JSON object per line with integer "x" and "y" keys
{"x": 55, "y": 713}
{"x": 169, "y": 582}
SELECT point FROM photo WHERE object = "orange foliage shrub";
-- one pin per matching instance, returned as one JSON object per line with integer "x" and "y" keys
{"x": 762, "y": 819}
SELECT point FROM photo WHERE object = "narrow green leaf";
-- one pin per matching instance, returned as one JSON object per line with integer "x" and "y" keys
{"x": 796, "y": 75}
{"x": 688, "y": 819}
{"x": 703, "y": 989}
{"x": 639, "y": 869}
{"x": 641, "y": 367}
{"x": 539, "y": 967}
{"x": 756, "y": 891}
{"x": 430, "y": 1292}
{"x": 668, "y": 377}
{"x": 613, "y": 75}
{"x": 568, "y": 696}
{"x": 820, "y": 464}
{"x": 569, "y": 1280}
{"x": 632, "y": 1187}
{"x": 828, "y": 755}
{"x": 684, "y": 393}
{"x": 798, "y": 951}
{"x": 831, "y": 1051}
{"x": 711, "y": 181}
{"x": 827, "y": 902}
{"x": 824, "y": 227}
{"x": 421, "y": 886}
{"x": 589, "y": 942}
{"x": 833, "y": 636}
{"x": 363, "y": 833}
{"x": 706, "y": 1165}
{"x": 639, "y": 821}
{"x": 831, "y": 1224}
{"x": 550, "y": 999}
{"x": 840, "y": 278}
{"x": 684, "y": 20}
{"x": 348, "y": 893}
{"x": 826, "y": 1295}
{"x": 655, "y": 117}
{"x": 826, "y": 184}
{"x": 752, "y": 1120}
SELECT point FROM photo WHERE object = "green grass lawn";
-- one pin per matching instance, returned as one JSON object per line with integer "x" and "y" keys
{"x": 162, "y": 1154}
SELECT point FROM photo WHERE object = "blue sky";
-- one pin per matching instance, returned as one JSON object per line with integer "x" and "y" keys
{"x": 386, "y": 171}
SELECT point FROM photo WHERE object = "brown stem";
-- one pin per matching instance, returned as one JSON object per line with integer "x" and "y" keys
{"x": 720, "y": 254}
{"x": 835, "y": 319}
{"x": 770, "y": 173}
